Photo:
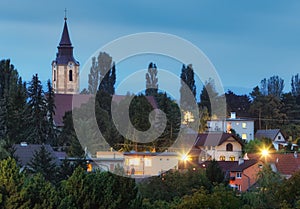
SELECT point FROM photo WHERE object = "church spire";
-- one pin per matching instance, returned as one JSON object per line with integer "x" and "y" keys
{"x": 65, "y": 48}
{"x": 65, "y": 38}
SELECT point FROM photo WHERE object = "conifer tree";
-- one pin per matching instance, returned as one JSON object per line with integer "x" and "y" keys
{"x": 37, "y": 130}
{"x": 43, "y": 163}
{"x": 51, "y": 131}
{"x": 18, "y": 113}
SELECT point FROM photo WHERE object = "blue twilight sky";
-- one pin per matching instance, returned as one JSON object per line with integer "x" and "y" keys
{"x": 245, "y": 40}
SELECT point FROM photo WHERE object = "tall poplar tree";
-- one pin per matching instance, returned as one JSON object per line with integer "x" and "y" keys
{"x": 103, "y": 70}
{"x": 295, "y": 84}
{"x": 187, "y": 77}
{"x": 151, "y": 80}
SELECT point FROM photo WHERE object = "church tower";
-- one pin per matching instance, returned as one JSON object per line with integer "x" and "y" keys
{"x": 65, "y": 69}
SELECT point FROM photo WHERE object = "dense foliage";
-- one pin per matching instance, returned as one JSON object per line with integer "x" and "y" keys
{"x": 81, "y": 189}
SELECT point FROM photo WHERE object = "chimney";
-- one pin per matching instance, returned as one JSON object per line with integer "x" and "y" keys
{"x": 241, "y": 161}
{"x": 232, "y": 115}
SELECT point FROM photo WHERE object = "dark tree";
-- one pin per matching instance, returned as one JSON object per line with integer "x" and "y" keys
{"x": 214, "y": 172}
{"x": 18, "y": 117}
{"x": 103, "y": 70}
{"x": 187, "y": 77}
{"x": 51, "y": 130}
{"x": 267, "y": 109}
{"x": 44, "y": 163}
{"x": 94, "y": 77}
{"x": 237, "y": 103}
{"x": 68, "y": 137}
{"x": 172, "y": 111}
{"x": 208, "y": 96}
{"x": 273, "y": 86}
{"x": 295, "y": 84}
{"x": 37, "y": 130}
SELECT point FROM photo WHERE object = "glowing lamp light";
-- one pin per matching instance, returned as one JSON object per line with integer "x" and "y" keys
{"x": 265, "y": 152}
{"x": 185, "y": 157}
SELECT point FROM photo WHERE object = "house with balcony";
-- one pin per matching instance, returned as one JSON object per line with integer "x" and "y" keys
{"x": 244, "y": 127}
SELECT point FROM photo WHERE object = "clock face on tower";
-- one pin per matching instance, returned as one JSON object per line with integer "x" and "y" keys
{"x": 54, "y": 65}
{"x": 71, "y": 65}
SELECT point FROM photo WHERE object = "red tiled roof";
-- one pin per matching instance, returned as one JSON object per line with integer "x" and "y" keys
{"x": 286, "y": 164}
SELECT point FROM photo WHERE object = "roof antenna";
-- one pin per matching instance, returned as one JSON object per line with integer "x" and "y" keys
{"x": 65, "y": 14}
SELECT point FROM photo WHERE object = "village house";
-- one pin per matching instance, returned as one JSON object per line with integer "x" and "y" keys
{"x": 286, "y": 164}
{"x": 278, "y": 139}
{"x": 25, "y": 152}
{"x": 218, "y": 146}
{"x": 136, "y": 164}
{"x": 244, "y": 127}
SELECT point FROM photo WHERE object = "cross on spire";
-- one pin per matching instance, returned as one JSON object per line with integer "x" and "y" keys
{"x": 65, "y": 14}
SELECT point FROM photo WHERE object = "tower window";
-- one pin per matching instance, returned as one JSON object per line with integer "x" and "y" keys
{"x": 70, "y": 75}
{"x": 229, "y": 147}
{"x": 54, "y": 75}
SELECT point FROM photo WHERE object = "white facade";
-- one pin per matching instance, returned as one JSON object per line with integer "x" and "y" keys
{"x": 137, "y": 164}
{"x": 243, "y": 127}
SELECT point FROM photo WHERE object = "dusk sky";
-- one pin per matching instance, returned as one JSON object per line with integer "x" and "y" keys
{"x": 245, "y": 40}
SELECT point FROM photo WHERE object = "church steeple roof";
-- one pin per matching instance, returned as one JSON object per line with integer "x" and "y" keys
{"x": 65, "y": 38}
{"x": 65, "y": 48}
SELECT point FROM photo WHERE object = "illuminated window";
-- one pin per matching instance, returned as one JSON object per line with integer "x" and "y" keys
{"x": 228, "y": 128}
{"x": 229, "y": 147}
{"x": 244, "y": 125}
{"x": 134, "y": 161}
{"x": 238, "y": 175}
{"x": 244, "y": 136}
{"x": 148, "y": 162}
{"x": 232, "y": 158}
{"x": 222, "y": 158}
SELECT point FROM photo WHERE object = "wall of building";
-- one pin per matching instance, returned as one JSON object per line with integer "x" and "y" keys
{"x": 248, "y": 178}
{"x": 150, "y": 165}
{"x": 60, "y": 78}
{"x": 244, "y": 128}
